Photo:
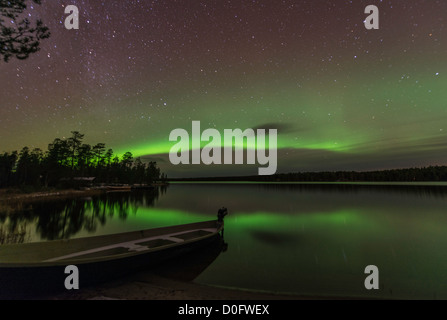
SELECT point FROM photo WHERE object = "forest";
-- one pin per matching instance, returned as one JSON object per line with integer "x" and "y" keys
{"x": 431, "y": 173}
{"x": 69, "y": 159}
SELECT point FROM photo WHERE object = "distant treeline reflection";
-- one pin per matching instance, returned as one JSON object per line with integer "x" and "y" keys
{"x": 64, "y": 218}
{"x": 431, "y": 173}
{"x": 436, "y": 191}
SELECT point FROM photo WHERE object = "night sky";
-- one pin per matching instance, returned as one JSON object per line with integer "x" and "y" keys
{"x": 342, "y": 97}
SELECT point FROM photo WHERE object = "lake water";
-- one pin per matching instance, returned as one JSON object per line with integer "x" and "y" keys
{"x": 304, "y": 239}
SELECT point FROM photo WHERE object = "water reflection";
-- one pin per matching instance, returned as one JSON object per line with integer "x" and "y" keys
{"x": 13, "y": 235}
{"x": 273, "y": 238}
{"x": 65, "y": 218}
{"x": 305, "y": 239}
{"x": 430, "y": 190}
{"x": 191, "y": 266}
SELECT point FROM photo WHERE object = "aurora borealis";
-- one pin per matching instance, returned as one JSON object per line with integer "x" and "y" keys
{"x": 342, "y": 97}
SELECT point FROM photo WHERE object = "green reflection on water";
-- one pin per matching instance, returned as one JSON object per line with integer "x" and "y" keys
{"x": 156, "y": 217}
{"x": 326, "y": 253}
{"x": 272, "y": 219}
{"x": 300, "y": 239}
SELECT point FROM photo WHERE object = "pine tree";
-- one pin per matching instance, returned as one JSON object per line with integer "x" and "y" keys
{"x": 18, "y": 38}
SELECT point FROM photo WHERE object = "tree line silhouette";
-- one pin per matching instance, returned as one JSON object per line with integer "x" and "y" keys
{"x": 431, "y": 173}
{"x": 69, "y": 159}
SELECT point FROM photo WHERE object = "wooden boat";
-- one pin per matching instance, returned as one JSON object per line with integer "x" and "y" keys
{"x": 36, "y": 266}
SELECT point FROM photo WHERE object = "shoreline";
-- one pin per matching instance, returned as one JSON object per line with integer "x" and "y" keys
{"x": 17, "y": 195}
{"x": 150, "y": 286}
{"x": 11, "y": 196}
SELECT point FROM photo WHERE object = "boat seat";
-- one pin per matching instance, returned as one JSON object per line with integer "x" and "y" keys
{"x": 136, "y": 245}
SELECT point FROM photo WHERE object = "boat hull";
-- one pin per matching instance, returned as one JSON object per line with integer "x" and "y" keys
{"x": 50, "y": 277}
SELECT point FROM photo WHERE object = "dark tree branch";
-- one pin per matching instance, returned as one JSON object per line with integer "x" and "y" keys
{"x": 17, "y": 37}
